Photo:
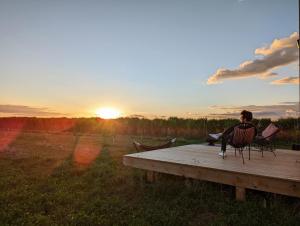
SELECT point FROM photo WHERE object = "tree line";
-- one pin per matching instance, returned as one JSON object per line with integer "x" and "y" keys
{"x": 171, "y": 127}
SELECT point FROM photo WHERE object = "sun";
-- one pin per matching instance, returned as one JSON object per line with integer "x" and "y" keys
{"x": 108, "y": 113}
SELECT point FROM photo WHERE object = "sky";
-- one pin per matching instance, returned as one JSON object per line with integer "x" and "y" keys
{"x": 209, "y": 58}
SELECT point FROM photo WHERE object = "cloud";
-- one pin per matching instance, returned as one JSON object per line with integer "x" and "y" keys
{"x": 267, "y": 75}
{"x": 281, "y": 110}
{"x": 281, "y": 52}
{"x": 286, "y": 80}
{"x": 237, "y": 115}
{"x": 288, "y": 102}
{"x": 21, "y": 110}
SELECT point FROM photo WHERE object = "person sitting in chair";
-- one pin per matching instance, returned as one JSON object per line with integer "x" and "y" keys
{"x": 227, "y": 135}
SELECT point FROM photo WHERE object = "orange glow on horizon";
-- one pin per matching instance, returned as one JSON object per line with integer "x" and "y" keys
{"x": 108, "y": 113}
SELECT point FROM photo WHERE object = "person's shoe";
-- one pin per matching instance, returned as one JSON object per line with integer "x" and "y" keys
{"x": 223, "y": 154}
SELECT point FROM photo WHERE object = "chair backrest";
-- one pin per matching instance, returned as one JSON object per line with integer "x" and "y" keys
{"x": 270, "y": 131}
{"x": 243, "y": 135}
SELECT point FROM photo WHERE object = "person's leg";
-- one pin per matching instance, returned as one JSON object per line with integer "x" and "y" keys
{"x": 224, "y": 143}
{"x": 226, "y": 138}
{"x": 227, "y": 134}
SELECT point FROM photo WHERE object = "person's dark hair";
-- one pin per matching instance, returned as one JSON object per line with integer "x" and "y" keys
{"x": 247, "y": 115}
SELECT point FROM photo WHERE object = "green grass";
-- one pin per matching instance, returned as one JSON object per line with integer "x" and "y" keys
{"x": 40, "y": 184}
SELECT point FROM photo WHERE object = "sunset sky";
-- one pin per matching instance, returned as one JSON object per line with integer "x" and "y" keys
{"x": 153, "y": 58}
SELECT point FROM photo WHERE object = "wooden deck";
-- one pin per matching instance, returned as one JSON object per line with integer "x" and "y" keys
{"x": 280, "y": 174}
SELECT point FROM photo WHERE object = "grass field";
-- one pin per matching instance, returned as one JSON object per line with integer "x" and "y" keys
{"x": 66, "y": 179}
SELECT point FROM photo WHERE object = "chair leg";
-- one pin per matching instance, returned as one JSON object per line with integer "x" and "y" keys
{"x": 242, "y": 156}
{"x": 273, "y": 150}
{"x": 249, "y": 151}
{"x": 235, "y": 152}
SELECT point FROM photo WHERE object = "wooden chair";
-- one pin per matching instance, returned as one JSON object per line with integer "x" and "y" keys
{"x": 141, "y": 147}
{"x": 243, "y": 136}
{"x": 265, "y": 141}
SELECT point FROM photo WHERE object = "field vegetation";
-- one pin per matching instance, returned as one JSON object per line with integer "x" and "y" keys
{"x": 70, "y": 172}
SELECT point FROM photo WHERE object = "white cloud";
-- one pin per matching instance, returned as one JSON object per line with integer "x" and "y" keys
{"x": 286, "y": 80}
{"x": 27, "y": 111}
{"x": 279, "y": 53}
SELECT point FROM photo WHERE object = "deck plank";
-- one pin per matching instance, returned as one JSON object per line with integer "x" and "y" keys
{"x": 280, "y": 174}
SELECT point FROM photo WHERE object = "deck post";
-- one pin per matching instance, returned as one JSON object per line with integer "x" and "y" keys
{"x": 150, "y": 176}
{"x": 188, "y": 182}
{"x": 240, "y": 193}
